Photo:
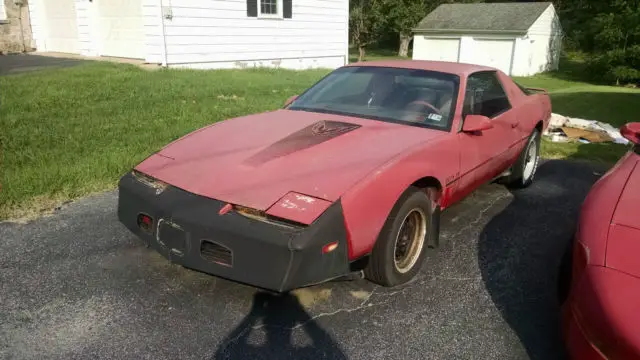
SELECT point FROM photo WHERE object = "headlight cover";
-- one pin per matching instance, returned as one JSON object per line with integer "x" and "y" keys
{"x": 303, "y": 209}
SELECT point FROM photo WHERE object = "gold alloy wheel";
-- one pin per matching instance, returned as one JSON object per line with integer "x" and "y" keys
{"x": 410, "y": 240}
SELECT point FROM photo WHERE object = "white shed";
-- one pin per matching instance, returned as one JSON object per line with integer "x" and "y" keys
{"x": 296, "y": 34}
{"x": 521, "y": 39}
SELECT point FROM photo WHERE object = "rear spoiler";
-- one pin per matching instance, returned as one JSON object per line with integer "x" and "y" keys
{"x": 539, "y": 90}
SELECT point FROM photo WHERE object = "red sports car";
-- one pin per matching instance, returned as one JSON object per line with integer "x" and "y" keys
{"x": 351, "y": 175}
{"x": 602, "y": 312}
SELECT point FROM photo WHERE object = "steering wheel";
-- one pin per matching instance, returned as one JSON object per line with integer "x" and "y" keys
{"x": 425, "y": 104}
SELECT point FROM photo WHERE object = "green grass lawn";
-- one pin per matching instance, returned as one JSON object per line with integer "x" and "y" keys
{"x": 614, "y": 105}
{"x": 69, "y": 132}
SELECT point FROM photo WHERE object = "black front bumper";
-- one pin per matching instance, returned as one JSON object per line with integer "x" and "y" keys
{"x": 188, "y": 230}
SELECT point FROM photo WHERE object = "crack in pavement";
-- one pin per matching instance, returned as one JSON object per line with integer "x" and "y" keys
{"x": 477, "y": 220}
{"x": 365, "y": 304}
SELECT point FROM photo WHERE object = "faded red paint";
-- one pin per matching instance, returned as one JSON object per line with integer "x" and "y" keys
{"x": 220, "y": 161}
{"x": 303, "y": 208}
{"x": 462, "y": 70}
{"x": 602, "y": 314}
{"x": 256, "y": 160}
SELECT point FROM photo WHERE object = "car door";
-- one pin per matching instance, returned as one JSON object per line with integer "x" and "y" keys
{"x": 484, "y": 155}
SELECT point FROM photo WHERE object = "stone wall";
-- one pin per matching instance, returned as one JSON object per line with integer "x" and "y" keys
{"x": 10, "y": 38}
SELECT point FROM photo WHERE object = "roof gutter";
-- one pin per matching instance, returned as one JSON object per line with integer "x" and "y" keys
{"x": 468, "y": 31}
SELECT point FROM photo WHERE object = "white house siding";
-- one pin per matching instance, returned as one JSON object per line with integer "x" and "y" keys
{"x": 37, "y": 29}
{"x": 546, "y": 38}
{"x": 84, "y": 13}
{"x": 219, "y": 34}
{"x": 543, "y": 24}
{"x": 153, "y": 30}
{"x": 522, "y": 57}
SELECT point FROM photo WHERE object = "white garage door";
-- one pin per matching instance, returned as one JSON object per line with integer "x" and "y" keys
{"x": 121, "y": 28}
{"x": 426, "y": 48}
{"x": 59, "y": 26}
{"x": 494, "y": 53}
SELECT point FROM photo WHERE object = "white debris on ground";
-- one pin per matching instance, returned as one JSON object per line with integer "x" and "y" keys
{"x": 563, "y": 129}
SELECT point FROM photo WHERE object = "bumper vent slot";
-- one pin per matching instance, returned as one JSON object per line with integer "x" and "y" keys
{"x": 216, "y": 253}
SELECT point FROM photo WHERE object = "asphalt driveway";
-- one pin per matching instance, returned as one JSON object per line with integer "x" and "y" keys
{"x": 13, "y": 64}
{"x": 78, "y": 285}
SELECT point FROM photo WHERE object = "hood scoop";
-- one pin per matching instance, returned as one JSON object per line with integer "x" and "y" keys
{"x": 304, "y": 138}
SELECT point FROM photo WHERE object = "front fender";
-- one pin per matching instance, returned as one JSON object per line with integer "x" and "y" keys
{"x": 368, "y": 204}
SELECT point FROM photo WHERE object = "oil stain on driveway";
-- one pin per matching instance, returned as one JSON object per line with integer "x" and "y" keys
{"x": 79, "y": 285}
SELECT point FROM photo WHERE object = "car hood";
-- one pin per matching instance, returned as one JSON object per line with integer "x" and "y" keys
{"x": 623, "y": 246}
{"x": 255, "y": 160}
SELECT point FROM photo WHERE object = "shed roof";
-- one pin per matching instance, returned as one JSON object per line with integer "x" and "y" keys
{"x": 483, "y": 17}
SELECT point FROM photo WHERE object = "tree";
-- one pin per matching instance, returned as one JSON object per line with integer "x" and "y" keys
{"x": 366, "y": 22}
{"x": 402, "y": 17}
{"x": 609, "y": 32}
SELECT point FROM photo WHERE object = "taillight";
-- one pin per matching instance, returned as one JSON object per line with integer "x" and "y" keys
{"x": 145, "y": 222}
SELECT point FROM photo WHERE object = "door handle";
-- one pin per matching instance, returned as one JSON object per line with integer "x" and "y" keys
{"x": 515, "y": 125}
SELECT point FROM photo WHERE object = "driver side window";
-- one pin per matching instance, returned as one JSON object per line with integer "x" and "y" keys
{"x": 485, "y": 96}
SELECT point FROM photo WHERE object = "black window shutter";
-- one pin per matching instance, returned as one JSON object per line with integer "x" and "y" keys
{"x": 252, "y": 8}
{"x": 286, "y": 8}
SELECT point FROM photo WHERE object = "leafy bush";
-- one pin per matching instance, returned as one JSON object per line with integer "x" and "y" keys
{"x": 616, "y": 66}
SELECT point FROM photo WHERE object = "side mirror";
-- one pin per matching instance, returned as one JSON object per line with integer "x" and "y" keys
{"x": 631, "y": 132}
{"x": 290, "y": 100}
{"x": 476, "y": 123}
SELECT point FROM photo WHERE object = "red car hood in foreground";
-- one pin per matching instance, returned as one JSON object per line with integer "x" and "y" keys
{"x": 256, "y": 160}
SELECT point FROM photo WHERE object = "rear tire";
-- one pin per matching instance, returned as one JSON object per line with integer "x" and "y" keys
{"x": 403, "y": 242}
{"x": 524, "y": 170}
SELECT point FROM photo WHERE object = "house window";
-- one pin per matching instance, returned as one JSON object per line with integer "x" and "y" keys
{"x": 269, "y": 7}
{"x": 274, "y": 9}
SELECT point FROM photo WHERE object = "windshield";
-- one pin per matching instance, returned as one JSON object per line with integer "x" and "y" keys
{"x": 416, "y": 97}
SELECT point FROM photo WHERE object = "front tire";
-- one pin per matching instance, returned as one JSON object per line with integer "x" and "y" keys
{"x": 524, "y": 170}
{"x": 403, "y": 242}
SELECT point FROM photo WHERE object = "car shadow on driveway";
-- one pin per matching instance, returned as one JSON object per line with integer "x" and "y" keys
{"x": 274, "y": 329}
{"x": 520, "y": 249}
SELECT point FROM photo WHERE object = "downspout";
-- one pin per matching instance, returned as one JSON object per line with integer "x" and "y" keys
{"x": 164, "y": 39}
